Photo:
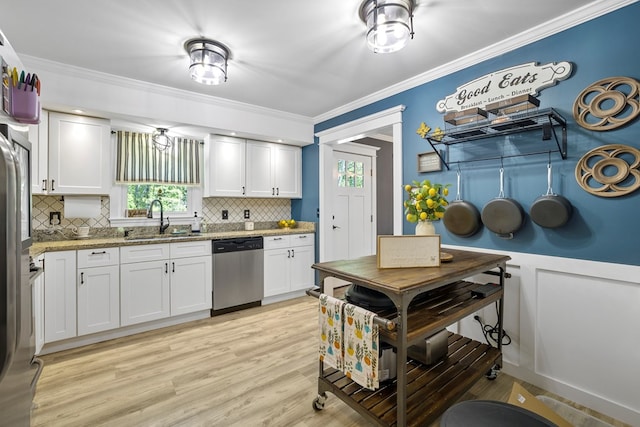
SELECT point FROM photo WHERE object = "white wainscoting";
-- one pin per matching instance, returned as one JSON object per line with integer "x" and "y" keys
{"x": 575, "y": 329}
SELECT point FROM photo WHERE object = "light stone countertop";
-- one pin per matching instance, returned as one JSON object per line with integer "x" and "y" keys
{"x": 39, "y": 248}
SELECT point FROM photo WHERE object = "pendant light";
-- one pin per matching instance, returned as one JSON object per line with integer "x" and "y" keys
{"x": 389, "y": 23}
{"x": 161, "y": 141}
{"x": 208, "y": 61}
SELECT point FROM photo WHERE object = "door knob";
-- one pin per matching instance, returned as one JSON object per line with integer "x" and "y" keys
{"x": 335, "y": 226}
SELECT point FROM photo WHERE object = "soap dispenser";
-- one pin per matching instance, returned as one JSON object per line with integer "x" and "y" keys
{"x": 197, "y": 221}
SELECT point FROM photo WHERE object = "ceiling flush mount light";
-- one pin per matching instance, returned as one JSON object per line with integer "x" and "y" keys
{"x": 389, "y": 23}
{"x": 208, "y": 60}
{"x": 161, "y": 140}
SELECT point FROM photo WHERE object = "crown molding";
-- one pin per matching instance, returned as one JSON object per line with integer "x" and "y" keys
{"x": 531, "y": 35}
{"x": 127, "y": 83}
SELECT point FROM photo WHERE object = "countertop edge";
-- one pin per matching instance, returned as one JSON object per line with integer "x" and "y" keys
{"x": 39, "y": 248}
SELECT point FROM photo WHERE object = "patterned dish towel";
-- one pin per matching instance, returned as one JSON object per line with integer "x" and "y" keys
{"x": 360, "y": 346}
{"x": 330, "y": 323}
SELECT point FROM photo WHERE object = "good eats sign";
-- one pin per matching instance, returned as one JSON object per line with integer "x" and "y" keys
{"x": 524, "y": 79}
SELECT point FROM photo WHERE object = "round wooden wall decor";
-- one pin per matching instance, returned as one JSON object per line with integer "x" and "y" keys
{"x": 608, "y": 104}
{"x": 597, "y": 165}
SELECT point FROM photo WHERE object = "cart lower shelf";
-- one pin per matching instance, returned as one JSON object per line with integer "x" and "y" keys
{"x": 430, "y": 389}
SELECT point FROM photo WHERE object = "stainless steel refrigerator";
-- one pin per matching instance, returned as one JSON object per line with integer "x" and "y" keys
{"x": 19, "y": 368}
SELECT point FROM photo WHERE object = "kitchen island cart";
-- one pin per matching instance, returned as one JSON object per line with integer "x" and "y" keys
{"x": 420, "y": 393}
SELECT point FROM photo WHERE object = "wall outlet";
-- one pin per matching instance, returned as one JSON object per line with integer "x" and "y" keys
{"x": 225, "y": 214}
{"x": 247, "y": 214}
{"x": 54, "y": 218}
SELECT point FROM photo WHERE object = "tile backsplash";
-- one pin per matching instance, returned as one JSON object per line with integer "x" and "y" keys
{"x": 261, "y": 210}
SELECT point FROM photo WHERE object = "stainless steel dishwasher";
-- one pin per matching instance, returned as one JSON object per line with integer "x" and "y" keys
{"x": 238, "y": 274}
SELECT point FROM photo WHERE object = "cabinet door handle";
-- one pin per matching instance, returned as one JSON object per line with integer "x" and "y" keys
{"x": 44, "y": 185}
{"x": 288, "y": 253}
{"x": 293, "y": 253}
{"x": 243, "y": 190}
{"x": 98, "y": 253}
{"x": 52, "y": 181}
{"x": 82, "y": 278}
{"x": 277, "y": 191}
{"x": 166, "y": 268}
{"x": 173, "y": 267}
{"x": 273, "y": 191}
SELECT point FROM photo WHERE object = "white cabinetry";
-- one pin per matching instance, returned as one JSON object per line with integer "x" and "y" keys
{"x": 98, "y": 290}
{"x": 144, "y": 283}
{"x": 273, "y": 170}
{"x": 38, "y": 305}
{"x": 287, "y": 263}
{"x": 191, "y": 277}
{"x": 39, "y": 138}
{"x": 224, "y": 167}
{"x": 59, "y": 295}
{"x": 243, "y": 168}
{"x": 163, "y": 280}
{"x": 73, "y": 155}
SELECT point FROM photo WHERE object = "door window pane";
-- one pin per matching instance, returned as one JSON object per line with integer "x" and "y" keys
{"x": 350, "y": 174}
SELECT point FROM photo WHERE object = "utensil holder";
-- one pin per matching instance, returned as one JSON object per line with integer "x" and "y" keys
{"x": 25, "y": 104}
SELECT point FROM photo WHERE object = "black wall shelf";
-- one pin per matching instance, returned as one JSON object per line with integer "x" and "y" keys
{"x": 547, "y": 120}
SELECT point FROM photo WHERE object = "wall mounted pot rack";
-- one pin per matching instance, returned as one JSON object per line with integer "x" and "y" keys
{"x": 547, "y": 120}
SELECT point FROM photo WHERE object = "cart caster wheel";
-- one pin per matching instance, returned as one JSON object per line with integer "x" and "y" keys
{"x": 492, "y": 373}
{"x": 318, "y": 402}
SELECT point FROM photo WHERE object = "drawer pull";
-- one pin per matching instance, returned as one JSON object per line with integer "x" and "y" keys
{"x": 277, "y": 238}
{"x": 98, "y": 253}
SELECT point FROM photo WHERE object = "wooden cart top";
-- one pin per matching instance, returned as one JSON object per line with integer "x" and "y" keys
{"x": 364, "y": 271}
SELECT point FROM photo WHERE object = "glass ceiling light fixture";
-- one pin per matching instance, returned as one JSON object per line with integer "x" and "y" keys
{"x": 389, "y": 23}
{"x": 161, "y": 141}
{"x": 208, "y": 61}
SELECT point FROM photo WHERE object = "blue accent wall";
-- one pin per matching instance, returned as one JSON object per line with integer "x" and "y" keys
{"x": 601, "y": 229}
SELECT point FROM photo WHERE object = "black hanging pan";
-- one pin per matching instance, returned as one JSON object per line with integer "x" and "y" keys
{"x": 461, "y": 218}
{"x": 550, "y": 210}
{"x": 502, "y": 215}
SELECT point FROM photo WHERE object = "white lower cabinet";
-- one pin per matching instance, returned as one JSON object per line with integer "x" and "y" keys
{"x": 163, "y": 280}
{"x": 144, "y": 283}
{"x": 98, "y": 294}
{"x": 287, "y": 263}
{"x": 59, "y": 296}
{"x": 191, "y": 277}
{"x": 38, "y": 305}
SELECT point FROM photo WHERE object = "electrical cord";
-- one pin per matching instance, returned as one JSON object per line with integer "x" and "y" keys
{"x": 491, "y": 332}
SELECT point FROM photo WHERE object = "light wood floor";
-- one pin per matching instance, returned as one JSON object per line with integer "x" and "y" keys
{"x": 256, "y": 367}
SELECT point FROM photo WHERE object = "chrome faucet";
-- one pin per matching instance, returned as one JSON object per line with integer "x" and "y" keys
{"x": 163, "y": 226}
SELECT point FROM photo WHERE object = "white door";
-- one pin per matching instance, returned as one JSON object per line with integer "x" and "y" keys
{"x": 288, "y": 171}
{"x": 98, "y": 299}
{"x": 144, "y": 292}
{"x": 79, "y": 155}
{"x": 191, "y": 280}
{"x": 224, "y": 167}
{"x": 260, "y": 169}
{"x": 351, "y": 217}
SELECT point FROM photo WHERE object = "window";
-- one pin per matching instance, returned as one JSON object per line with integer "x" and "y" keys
{"x": 350, "y": 174}
{"x": 174, "y": 198}
{"x": 143, "y": 174}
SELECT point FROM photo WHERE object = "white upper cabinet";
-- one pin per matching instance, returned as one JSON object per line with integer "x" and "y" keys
{"x": 39, "y": 138}
{"x": 243, "y": 168}
{"x": 260, "y": 169}
{"x": 287, "y": 171}
{"x": 78, "y": 155}
{"x": 224, "y": 167}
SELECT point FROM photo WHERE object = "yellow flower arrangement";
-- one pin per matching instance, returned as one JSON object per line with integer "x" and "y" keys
{"x": 425, "y": 201}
